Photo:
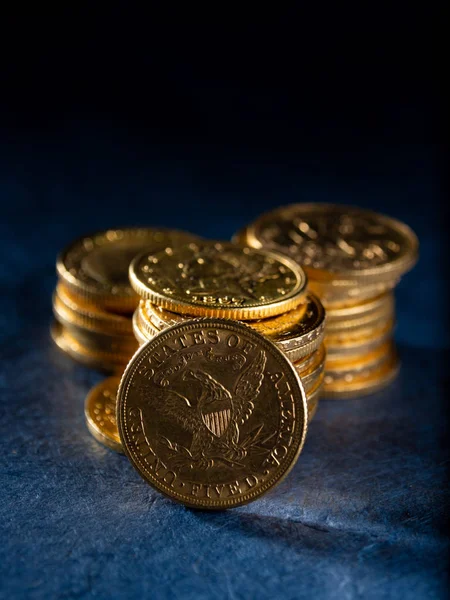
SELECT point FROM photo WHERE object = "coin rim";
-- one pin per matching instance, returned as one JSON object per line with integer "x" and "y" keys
{"x": 125, "y": 298}
{"x": 401, "y": 265}
{"x": 92, "y": 426}
{"x": 250, "y": 312}
{"x": 298, "y": 435}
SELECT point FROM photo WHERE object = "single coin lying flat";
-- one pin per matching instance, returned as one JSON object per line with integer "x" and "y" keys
{"x": 218, "y": 279}
{"x": 211, "y": 413}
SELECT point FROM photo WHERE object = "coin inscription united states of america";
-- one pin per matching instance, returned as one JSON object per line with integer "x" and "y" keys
{"x": 211, "y": 413}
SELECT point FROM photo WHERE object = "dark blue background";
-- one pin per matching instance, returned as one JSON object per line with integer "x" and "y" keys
{"x": 117, "y": 119}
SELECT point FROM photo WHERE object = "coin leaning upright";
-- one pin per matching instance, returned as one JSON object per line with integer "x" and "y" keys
{"x": 211, "y": 413}
{"x": 219, "y": 279}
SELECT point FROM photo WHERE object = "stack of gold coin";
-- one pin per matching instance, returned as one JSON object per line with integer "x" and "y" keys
{"x": 93, "y": 301}
{"x": 354, "y": 258}
{"x": 264, "y": 289}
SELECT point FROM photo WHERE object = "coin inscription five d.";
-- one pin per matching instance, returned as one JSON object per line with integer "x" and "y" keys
{"x": 211, "y": 413}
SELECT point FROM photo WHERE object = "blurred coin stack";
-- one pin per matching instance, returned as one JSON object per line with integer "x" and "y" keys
{"x": 93, "y": 302}
{"x": 354, "y": 258}
{"x": 212, "y": 279}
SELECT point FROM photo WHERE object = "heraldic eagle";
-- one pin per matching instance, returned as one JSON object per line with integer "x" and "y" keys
{"x": 215, "y": 418}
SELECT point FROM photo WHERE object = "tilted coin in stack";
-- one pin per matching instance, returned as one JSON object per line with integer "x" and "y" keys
{"x": 93, "y": 301}
{"x": 354, "y": 258}
{"x": 211, "y": 413}
{"x": 264, "y": 289}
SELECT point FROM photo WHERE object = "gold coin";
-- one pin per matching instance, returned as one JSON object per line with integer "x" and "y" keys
{"x": 304, "y": 367}
{"x": 90, "y": 316}
{"x": 360, "y": 361}
{"x": 306, "y": 362}
{"x": 159, "y": 318}
{"x": 310, "y": 375}
{"x": 332, "y": 294}
{"x": 364, "y": 384}
{"x": 313, "y": 397}
{"x": 348, "y": 311}
{"x": 95, "y": 267}
{"x": 298, "y": 332}
{"x": 355, "y": 370}
{"x": 334, "y": 241}
{"x": 140, "y": 336}
{"x": 306, "y": 335}
{"x": 361, "y": 323}
{"x": 100, "y": 413}
{"x": 211, "y": 413}
{"x": 102, "y": 361}
{"x": 357, "y": 337}
{"x": 219, "y": 280}
{"x": 96, "y": 341}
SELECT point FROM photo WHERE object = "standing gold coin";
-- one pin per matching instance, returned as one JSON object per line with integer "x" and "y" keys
{"x": 334, "y": 242}
{"x": 100, "y": 413}
{"x": 211, "y": 413}
{"x": 95, "y": 267}
{"x": 219, "y": 280}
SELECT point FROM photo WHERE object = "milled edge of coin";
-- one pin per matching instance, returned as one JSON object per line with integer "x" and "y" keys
{"x": 358, "y": 337}
{"x": 316, "y": 359}
{"x": 361, "y": 360}
{"x": 312, "y": 337}
{"x": 357, "y": 310}
{"x": 97, "y": 339}
{"x": 389, "y": 372}
{"x": 354, "y": 351}
{"x": 93, "y": 427}
{"x": 118, "y": 297}
{"x": 91, "y": 317}
{"x": 372, "y": 320}
{"x": 109, "y": 363}
{"x": 267, "y": 344}
{"x": 251, "y": 312}
{"x": 391, "y": 269}
{"x": 149, "y": 313}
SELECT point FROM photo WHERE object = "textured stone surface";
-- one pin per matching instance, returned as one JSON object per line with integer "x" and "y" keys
{"x": 362, "y": 514}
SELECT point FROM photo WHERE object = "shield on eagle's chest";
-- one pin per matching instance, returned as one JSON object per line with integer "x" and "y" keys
{"x": 217, "y": 421}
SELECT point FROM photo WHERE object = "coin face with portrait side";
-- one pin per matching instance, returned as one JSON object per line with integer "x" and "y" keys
{"x": 337, "y": 242}
{"x": 211, "y": 413}
{"x": 219, "y": 279}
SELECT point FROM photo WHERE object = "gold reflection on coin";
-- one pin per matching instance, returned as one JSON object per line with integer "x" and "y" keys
{"x": 211, "y": 413}
{"x": 100, "y": 413}
{"x": 95, "y": 267}
{"x": 337, "y": 242}
{"x": 219, "y": 279}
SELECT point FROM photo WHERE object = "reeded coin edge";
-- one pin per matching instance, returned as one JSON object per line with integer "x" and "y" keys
{"x": 375, "y": 385}
{"x": 298, "y": 436}
{"x": 91, "y": 317}
{"x": 256, "y": 310}
{"x": 73, "y": 349}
